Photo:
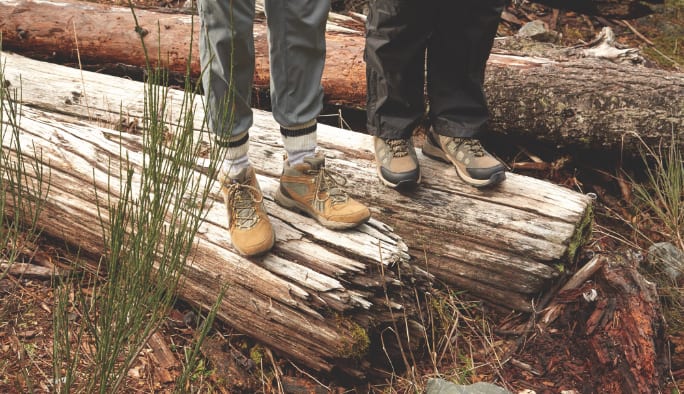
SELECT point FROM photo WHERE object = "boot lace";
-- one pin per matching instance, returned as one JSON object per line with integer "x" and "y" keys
{"x": 472, "y": 144}
{"x": 329, "y": 183}
{"x": 242, "y": 201}
{"x": 399, "y": 147}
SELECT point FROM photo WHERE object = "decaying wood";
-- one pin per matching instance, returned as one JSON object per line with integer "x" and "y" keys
{"x": 568, "y": 102}
{"x": 503, "y": 245}
{"x": 27, "y": 270}
{"x": 166, "y": 365}
{"x": 626, "y": 330}
{"x": 552, "y": 311}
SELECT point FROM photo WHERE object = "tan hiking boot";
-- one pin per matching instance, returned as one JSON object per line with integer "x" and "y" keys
{"x": 249, "y": 227}
{"x": 312, "y": 189}
{"x": 473, "y": 163}
{"x": 396, "y": 161}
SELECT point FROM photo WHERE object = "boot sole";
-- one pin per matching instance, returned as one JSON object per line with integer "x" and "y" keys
{"x": 436, "y": 153}
{"x": 400, "y": 184}
{"x": 296, "y": 206}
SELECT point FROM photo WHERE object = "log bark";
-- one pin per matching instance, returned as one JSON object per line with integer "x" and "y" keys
{"x": 504, "y": 245}
{"x": 569, "y": 101}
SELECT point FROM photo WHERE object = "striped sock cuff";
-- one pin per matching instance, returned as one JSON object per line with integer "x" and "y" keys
{"x": 302, "y": 138}
{"x": 236, "y": 146}
{"x": 233, "y": 140}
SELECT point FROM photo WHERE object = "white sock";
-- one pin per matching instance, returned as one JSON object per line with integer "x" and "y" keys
{"x": 232, "y": 167}
{"x": 236, "y": 158}
{"x": 299, "y": 141}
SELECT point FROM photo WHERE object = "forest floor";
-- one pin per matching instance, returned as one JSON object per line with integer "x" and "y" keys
{"x": 553, "y": 361}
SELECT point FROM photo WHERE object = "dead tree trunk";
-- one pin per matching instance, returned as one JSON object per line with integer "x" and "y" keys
{"x": 503, "y": 245}
{"x": 569, "y": 102}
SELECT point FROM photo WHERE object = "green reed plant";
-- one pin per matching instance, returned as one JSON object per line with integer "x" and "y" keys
{"x": 149, "y": 234}
{"x": 24, "y": 184}
{"x": 153, "y": 212}
{"x": 193, "y": 357}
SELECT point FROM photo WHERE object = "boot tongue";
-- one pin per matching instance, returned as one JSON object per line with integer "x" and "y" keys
{"x": 316, "y": 162}
{"x": 241, "y": 177}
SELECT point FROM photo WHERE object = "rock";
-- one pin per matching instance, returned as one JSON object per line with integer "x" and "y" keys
{"x": 539, "y": 31}
{"x": 667, "y": 258}
{"x": 441, "y": 386}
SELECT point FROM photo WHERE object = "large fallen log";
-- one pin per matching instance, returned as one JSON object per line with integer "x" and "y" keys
{"x": 569, "y": 101}
{"x": 619, "y": 9}
{"x": 317, "y": 298}
{"x": 505, "y": 245}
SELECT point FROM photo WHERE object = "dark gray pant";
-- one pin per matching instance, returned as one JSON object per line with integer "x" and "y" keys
{"x": 296, "y": 34}
{"x": 453, "y": 39}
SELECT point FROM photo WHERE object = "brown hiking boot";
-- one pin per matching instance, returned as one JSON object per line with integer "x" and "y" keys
{"x": 473, "y": 163}
{"x": 312, "y": 189}
{"x": 396, "y": 161}
{"x": 249, "y": 227}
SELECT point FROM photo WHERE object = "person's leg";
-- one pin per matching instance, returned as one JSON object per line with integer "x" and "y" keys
{"x": 457, "y": 54}
{"x": 296, "y": 34}
{"x": 227, "y": 58}
{"x": 297, "y": 55}
{"x": 396, "y": 36}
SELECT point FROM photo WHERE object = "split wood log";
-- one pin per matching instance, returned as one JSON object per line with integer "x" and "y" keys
{"x": 504, "y": 245}
{"x": 570, "y": 101}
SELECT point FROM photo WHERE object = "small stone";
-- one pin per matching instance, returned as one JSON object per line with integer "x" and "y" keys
{"x": 666, "y": 258}
{"x": 539, "y": 31}
{"x": 441, "y": 386}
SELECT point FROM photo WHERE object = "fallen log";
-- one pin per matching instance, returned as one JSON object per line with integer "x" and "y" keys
{"x": 505, "y": 245}
{"x": 316, "y": 298}
{"x": 618, "y": 9}
{"x": 570, "y": 101}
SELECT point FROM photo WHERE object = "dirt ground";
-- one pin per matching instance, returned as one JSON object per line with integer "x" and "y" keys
{"x": 557, "y": 360}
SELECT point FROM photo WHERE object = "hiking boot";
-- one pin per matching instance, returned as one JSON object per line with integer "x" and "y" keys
{"x": 249, "y": 227}
{"x": 396, "y": 162}
{"x": 312, "y": 189}
{"x": 473, "y": 163}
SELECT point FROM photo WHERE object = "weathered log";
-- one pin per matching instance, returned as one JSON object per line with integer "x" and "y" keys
{"x": 508, "y": 239}
{"x": 568, "y": 102}
{"x": 504, "y": 245}
{"x": 316, "y": 298}
{"x": 619, "y": 9}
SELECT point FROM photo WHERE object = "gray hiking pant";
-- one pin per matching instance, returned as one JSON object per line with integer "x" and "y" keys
{"x": 296, "y": 34}
{"x": 457, "y": 36}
